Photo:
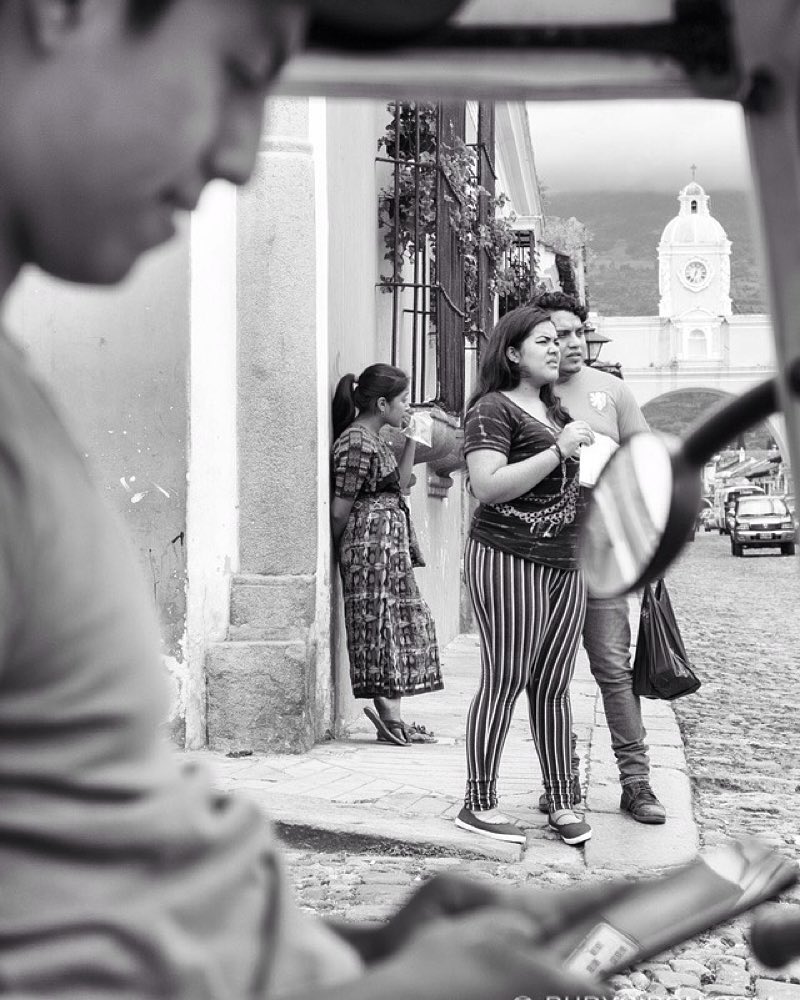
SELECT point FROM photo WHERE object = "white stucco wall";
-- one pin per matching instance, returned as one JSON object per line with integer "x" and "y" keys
{"x": 212, "y": 502}
{"x": 359, "y": 334}
{"x": 323, "y": 603}
{"x": 644, "y": 341}
{"x": 751, "y": 342}
{"x": 116, "y": 360}
{"x": 644, "y": 345}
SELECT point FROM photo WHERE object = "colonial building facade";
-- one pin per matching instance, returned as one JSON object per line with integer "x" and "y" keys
{"x": 697, "y": 342}
{"x": 200, "y": 393}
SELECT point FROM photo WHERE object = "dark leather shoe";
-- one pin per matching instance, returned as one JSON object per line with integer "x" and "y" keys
{"x": 544, "y": 805}
{"x": 639, "y": 800}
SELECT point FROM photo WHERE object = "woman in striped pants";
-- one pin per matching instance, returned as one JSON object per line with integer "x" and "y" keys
{"x": 521, "y": 567}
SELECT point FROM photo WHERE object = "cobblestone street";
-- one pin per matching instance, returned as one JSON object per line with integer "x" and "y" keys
{"x": 741, "y": 628}
{"x": 739, "y": 619}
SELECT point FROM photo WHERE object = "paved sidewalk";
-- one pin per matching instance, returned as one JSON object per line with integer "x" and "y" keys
{"x": 410, "y": 795}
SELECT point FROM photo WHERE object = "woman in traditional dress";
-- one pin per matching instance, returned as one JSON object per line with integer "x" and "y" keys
{"x": 391, "y": 638}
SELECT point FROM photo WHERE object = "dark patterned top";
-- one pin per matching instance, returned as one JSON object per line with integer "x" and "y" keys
{"x": 363, "y": 464}
{"x": 541, "y": 524}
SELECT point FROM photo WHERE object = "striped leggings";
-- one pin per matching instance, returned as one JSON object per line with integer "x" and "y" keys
{"x": 529, "y": 618}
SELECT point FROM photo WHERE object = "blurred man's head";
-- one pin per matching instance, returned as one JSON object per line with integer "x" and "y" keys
{"x": 568, "y": 316}
{"x": 115, "y": 114}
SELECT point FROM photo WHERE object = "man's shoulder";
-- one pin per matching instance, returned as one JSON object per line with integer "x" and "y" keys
{"x": 595, "y": 379}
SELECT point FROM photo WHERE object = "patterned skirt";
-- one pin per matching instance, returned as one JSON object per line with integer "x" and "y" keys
{"x": 391, "y": 637}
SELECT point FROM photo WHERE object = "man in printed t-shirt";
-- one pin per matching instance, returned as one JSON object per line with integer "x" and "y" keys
{"x": 608, "y": 406}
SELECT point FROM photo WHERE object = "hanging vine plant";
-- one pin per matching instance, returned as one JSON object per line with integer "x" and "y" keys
{"x": 408, "y": 211}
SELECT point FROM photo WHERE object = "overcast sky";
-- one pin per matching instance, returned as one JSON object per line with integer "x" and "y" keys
{"x": 638, "y": 145}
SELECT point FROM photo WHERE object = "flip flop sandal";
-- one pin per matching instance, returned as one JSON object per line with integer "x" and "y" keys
{"x": 415, "y": 733}
{"x": 387, "y": 730}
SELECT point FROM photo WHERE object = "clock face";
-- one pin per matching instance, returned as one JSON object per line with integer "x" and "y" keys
{"x": 695, "y": 273}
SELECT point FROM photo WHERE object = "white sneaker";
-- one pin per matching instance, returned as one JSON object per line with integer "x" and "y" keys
{"x": 571, "y": 828}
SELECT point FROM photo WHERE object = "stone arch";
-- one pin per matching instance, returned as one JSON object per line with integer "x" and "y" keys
{"x": 658, "y": 411}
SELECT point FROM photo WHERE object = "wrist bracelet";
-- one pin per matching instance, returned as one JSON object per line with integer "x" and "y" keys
{"x": 559, "y": 453}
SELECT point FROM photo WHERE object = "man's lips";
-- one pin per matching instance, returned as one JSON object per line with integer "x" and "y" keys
{"x": 182, "y": 200}
{"x": 182, "y": 204}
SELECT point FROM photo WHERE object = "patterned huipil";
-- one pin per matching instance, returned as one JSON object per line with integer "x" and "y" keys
{"x": 391, "y": 638}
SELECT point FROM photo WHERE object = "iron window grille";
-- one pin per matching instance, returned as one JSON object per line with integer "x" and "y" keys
{"x": 521, "y": 258}
{"x": 422, "y": 213}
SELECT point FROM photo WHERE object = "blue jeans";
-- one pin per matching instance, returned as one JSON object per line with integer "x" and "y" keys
{"x": 607, "y": 641}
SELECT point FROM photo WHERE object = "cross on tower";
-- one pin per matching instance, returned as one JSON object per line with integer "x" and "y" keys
{"x": 693, "y": 168}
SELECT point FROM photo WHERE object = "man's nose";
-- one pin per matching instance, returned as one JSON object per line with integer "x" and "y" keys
{"x": 233, "y": 156}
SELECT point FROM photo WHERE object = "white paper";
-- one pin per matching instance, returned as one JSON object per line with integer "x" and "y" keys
{"x": 594, "y": 456}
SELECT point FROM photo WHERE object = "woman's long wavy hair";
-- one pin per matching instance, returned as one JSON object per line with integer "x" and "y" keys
{"x": 354, "y": 396}
{"x": 498, "y": 372}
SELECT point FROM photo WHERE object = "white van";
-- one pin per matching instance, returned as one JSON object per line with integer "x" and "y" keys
{"x": 725, "y": 498}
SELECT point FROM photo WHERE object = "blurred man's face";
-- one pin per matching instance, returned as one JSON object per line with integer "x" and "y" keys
{"x": 116, "y": 131}
{"x": 571, "y": 342}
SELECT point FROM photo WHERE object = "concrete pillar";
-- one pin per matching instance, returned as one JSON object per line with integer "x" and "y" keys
{"x": 262, "y": 688}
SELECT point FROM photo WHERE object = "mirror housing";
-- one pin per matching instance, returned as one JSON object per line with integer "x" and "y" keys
{"x": 641, "y": 511}
{"x": 639, "y": 515}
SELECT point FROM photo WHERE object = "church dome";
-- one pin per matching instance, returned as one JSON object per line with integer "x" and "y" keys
{"x": 694, "y": 223}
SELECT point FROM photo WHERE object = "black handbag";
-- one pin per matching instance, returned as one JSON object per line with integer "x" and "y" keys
{"x": 661, "y": 668}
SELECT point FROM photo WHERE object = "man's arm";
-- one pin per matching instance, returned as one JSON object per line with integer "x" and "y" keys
{"x": 464, "y": 938}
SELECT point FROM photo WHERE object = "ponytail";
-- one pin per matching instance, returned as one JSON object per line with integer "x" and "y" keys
{"x": 343, "y": 407}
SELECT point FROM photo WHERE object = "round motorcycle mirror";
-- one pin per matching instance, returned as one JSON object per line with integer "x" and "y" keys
{"x": 641, "y": 511}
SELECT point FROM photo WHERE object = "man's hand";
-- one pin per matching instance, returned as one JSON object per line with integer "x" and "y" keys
{"x": 491, "y": 953}
{"x": 451, "y": 895}
{"x": 468, "y": 939}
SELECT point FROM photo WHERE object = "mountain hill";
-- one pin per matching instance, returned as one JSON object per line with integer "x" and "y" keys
{"x": 623, "y": 230}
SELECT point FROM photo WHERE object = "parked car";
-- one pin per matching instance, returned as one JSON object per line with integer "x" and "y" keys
{"x": 708, "y": 520}
{"x": 725, "y": 498}
{"x": 762, "y": 523}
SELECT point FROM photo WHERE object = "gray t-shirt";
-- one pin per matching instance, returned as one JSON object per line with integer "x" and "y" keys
{"x": 604, "y": 401}
{"x": 122, "y": 874}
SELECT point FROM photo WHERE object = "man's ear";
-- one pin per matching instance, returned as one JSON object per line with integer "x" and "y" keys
{"x": 51, "y": 22}
{"x": 48, "y": 20}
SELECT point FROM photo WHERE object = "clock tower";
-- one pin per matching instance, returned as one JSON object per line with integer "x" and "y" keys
{"x": 694, "y": 279}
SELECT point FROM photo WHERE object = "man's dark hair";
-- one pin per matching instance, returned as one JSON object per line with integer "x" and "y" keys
{"x": 144, "y": 13}
{"x": 560, "y": 302}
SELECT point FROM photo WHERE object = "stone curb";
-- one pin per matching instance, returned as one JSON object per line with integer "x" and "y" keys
{"x": 357, "y": 796}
